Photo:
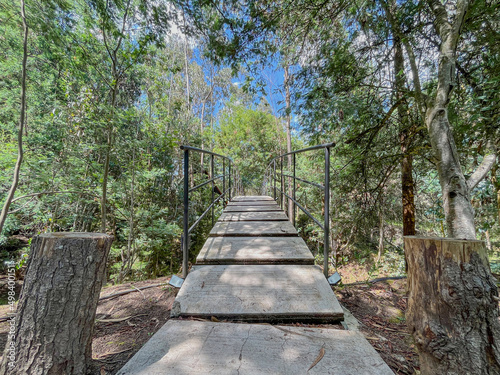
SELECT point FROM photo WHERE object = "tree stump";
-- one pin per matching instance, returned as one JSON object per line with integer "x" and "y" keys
{"x": 452, "y": 306}
{"x": 58, "y": 302}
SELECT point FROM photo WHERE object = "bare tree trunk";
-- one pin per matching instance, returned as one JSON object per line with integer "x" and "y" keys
{"x": 488, "y": 240}
{"x": 452, "y": 306}
{"x": 109, "y": 146}
{"x": 407, "y": 128}
{"x": 288, "y": 139}
{"x": 407, "y": 185}
{"x": 458, "y": 210}
{"x": 56, "y": 311}
{"x": 186, "y": 69}
{"x": 126, "y": 259}
{"x": 201, "y": 131}
{"x": 22, "y": 122}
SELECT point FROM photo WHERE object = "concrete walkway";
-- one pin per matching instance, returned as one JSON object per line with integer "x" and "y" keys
{"x": 255, "y": 268}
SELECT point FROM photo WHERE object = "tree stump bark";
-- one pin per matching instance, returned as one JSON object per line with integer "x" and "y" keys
{"x": 452, "y": 306}
{"x": 58, "y": 302}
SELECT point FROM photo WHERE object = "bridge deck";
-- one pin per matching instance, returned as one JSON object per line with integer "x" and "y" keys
{"x": 266, "y": 293}
{"x": 252, "y": 203}
{"x": 255, "y": 250}
{"x": 253, "y": 216}
{"x": 199, "y": 348}
{"x": 260, "y": 208}
{"x": 253, "y": 228}
{"x": 231, "y": 282}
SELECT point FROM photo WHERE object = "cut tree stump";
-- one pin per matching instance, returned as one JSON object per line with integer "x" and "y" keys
{"x": 57, "y": 306}
{"x": 452, "y": 306}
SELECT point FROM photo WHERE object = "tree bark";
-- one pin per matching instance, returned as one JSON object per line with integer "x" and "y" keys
{"x": 57, "y": 307}
{"x": 458, "y": 210}
{"x": 496, "y": 184}
{"x": 407, "y": 129}
{"x": 452, "y": 306}
{"x": 289, "y": 139}
{"x": 407, "y": 185}
{"x": 22, "y": 123}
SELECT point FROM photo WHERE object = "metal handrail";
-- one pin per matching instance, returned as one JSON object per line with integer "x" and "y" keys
{"x": 204, "y": 183}
{"x": 317, "y": 147}
{"x": 204, "y": 213}
{"x": 232, "y": 175}
{"x": 184, "y": 147}
{"x": 307, "y": 182}
{"x": 325, "y": 188}
{"x": 303, "y": 209}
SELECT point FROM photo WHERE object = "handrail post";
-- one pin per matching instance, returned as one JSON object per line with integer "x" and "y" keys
{"x": 282, "y": 200}
{"x": 230, "y": 180}
{"x": 213, "y": 185}
{"x": 294, "y": 188}
{"x": 274, "y": 179}
{"x": 327, "y": 211}
{"x": 185, "y": 242}
{"x": 224, "y": 181}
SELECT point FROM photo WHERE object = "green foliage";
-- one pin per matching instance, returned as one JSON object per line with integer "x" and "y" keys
{"x": 246, "y": 131}
{"x": 107, "y": 82}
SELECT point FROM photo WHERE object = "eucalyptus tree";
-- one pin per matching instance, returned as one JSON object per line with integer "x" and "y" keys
{"x": 456, "y": 188}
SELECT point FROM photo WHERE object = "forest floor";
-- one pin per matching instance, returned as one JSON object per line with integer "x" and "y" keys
{"x": 126, "y": 322}
{"x": 380, "y": 310}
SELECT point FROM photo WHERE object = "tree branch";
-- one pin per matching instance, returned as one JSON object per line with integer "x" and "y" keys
{"x": 379, "y": 126}
{"x": 482, "y": 170}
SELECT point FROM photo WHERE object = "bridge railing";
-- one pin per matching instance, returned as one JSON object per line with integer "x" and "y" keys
{"x": 230, "y": 183}
{"x": 275, "y": 169}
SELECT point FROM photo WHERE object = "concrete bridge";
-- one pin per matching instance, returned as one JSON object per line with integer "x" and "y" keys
{"x": 256, "y": 275}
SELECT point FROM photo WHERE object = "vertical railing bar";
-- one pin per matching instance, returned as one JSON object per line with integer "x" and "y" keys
{"x": 274, "y": 179}
{"x": 327, "y": 212}
{"x": 230, "y": 180}
{"x": 294, "y": 189}
{"x": 185, "y": 242}
{"x": 213, "y": 186}
{"x": 224, "y": 182}
{"x": 281, "y": 183}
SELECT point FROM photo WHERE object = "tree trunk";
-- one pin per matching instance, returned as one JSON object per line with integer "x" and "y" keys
{"x": 22, "y": 121}
{"x": 407, "y": 129}
{"x": 452, "y": 306}
{"x": 496, "y": 184}
{"x": 201, "y": 133}
{"x": 407, "y": 184}
{"x": 488, "y": 240}
{"x": 289, "y": 140}
{"x": 458, "y": 210}
{"x": 56, "y": 311}
{"x": 186, "y": 68}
